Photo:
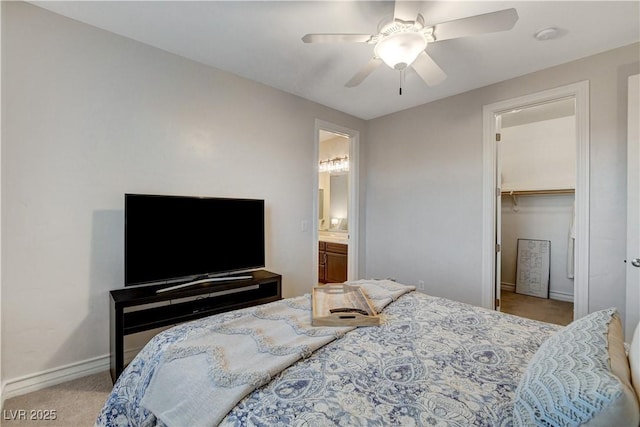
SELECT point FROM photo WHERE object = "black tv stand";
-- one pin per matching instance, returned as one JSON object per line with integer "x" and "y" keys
{"x": 226, "y": 294}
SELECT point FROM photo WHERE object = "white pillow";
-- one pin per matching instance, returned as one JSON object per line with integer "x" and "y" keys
{"x": 634, "y": 360}
{"x": 579, "y": 376}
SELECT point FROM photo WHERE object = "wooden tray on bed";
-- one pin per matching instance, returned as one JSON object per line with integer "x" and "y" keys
{"x": 342, "y": 305}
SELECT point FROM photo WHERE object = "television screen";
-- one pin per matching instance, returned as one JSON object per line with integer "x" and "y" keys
{"x": 170, "y": 238}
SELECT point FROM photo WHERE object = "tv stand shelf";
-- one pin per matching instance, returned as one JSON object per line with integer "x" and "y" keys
{"x": 129, "y": 315}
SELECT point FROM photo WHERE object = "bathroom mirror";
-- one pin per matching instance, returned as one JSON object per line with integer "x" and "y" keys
{"x": 339, "y": 198}
{"x": 333, "y": 183}
{"x": 333, "y": 201}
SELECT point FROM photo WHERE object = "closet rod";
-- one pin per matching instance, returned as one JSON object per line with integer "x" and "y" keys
{"x": 538, "y": 192}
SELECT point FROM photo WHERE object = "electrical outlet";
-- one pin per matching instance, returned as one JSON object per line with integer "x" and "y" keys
{"x": 421, "y": 285}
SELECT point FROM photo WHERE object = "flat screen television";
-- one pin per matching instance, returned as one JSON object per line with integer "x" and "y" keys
{"x": 171, "y": 239}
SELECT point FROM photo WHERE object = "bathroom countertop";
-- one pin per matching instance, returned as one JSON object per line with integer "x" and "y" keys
{"x": 333, "y": 238}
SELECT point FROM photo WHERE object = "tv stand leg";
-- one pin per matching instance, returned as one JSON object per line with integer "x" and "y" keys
{"x": 116, "y": 341}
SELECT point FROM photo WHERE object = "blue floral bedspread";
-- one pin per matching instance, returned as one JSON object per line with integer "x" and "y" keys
{"x": 433, "y": 362}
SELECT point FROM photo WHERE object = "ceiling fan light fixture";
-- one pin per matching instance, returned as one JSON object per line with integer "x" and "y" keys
{"x": 399, "y": 50}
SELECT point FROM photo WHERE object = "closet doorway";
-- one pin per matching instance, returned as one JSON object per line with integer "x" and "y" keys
{"x": 542, "y": 189}
{"x": 537, "y": 179}
{"x": 335, "y": 204}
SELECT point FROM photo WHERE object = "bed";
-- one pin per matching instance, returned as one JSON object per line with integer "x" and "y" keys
{"x": 432, "y": 362}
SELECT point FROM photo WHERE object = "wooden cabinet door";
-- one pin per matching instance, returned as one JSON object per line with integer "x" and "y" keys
{"x": 336, "y": 263}
{"x": 322, "y": 268}
{"x": 336, "y": 267}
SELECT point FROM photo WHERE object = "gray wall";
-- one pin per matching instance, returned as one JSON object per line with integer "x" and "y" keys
{"x": 424, "y": 185}
{"x": 89, "y": 115}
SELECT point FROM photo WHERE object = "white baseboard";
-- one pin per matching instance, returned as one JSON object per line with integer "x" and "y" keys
{"x": 38, "y": 381}
{"x": 33, "y": 382}
{"x": 507, "y": 287}
{"x": 559, "y": 296}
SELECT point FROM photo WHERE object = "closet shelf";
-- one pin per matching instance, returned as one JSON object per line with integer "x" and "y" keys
{"x": 514, "y": 193}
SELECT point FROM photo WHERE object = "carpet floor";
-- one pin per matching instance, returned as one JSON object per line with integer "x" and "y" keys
{"x": 73, "y": 404}
{"x": 546, "y": 310}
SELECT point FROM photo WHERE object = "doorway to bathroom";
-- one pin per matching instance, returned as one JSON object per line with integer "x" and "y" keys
{"x": 335, "y": 204}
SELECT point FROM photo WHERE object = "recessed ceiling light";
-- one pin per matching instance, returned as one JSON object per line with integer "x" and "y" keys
{"x": 548, "y": 33}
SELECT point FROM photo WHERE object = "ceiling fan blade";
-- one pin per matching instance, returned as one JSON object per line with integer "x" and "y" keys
{"x": 428, "y": 70}
{"x": 487, "y": 23}
{"x": 336, "y": 38}
{"x": 364, "y": 72}
{"x": 405, "y": 10}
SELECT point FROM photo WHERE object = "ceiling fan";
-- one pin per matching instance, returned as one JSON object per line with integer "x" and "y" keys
{"x": 402, "y": 42}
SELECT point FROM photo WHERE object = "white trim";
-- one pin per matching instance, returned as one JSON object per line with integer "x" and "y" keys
{"x": 632, "y": 306}
{"x": 354, "y": 195}
{"x": 38, "y": 381}
{"x": 581, "y": 276}
{"x": 2, "y": 392}
{"x": 558, "y": 296}
{"x": 561, "y": 296}
{"x": 579, "y": 91}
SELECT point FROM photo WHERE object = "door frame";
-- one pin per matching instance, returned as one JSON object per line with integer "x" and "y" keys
{"x": 633, "y": 208}
{"x": 490, "y": 186}
{"x": 354, "y": 195}
{"x": 497, "y": 298}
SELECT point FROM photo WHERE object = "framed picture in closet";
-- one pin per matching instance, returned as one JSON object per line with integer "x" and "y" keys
{"x": 532, "y": 267}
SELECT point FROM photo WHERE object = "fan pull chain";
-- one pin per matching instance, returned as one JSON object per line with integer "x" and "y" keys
{"x": 401, "y": 80}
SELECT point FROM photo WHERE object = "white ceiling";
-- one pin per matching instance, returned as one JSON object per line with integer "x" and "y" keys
{"x": 260, "y": 40}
